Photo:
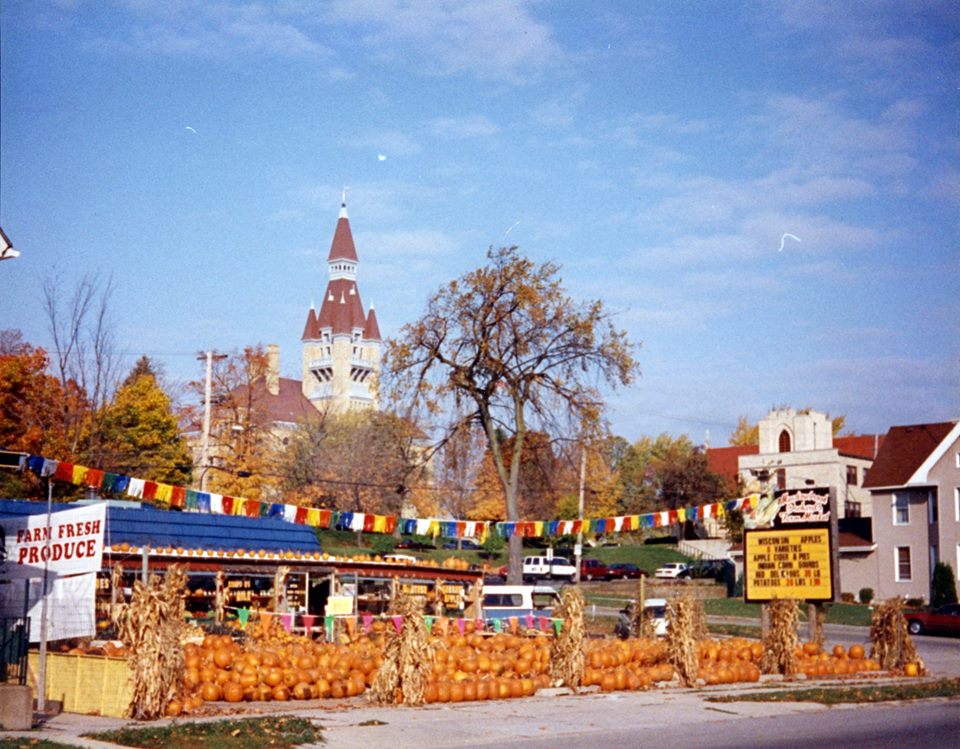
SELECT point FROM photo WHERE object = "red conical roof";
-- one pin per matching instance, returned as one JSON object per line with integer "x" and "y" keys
{"x": 342, "y": 310}
{"x": 371, "y": 330}
{"x": 310, "y": 329}
{"x": 342, "y": 247}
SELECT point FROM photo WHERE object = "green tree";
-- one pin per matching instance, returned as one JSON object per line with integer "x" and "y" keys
{"x": 140, "y": 434}
{"x": 508, "y": 346}
{"x": 944, "y": 585}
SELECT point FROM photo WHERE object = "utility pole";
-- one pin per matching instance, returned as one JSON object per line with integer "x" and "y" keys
{"x": 578, "y": 550}
{"x": 205, "y": 445}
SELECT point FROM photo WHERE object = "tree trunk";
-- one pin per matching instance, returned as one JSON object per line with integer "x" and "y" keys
{"x": 515, "y": 568}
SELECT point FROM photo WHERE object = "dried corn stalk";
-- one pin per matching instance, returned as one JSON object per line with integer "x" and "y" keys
{"x": 151, "y": 627}
{"x": 219, "y": 596}
{"x": 117, "y": 598}
{"x": 781, "y": 641}
{"x": 407, "y": 657}
{"x": 684, "y": 620}
{"x": 891, "y": 644}
{"x": 566, "y": 650}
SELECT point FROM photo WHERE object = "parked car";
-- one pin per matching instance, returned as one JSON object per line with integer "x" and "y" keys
{"x": 944, "y": 620}
{"x": 557, "y": 568}
{"x": 673, "y": 571}
{"x": 624, "y": 571}
{"x": 593, "y": 569}
{"x": 466, "y": 544}
{"x": 412, "y": 545}
{"x": 401, "y": 558}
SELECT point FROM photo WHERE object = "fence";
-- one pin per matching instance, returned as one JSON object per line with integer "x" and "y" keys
{"x": 14, "y": 643}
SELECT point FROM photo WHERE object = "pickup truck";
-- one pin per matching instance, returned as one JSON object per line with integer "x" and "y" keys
{"x": 535, "y": 568}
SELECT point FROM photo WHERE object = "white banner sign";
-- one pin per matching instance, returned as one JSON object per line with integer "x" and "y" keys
{"x": 72, "y": 543}
{"x": 70, "y": 605}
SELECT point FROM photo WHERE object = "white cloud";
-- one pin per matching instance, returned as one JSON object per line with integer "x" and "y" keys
{"x": 474, "y": 126}
{"x": 489, "y": 39}
{"x": 389, "y": 142}
{"x": 212, "y": 30}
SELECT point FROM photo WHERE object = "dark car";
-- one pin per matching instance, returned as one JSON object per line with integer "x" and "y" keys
{"x": 408, "y": 543}
{"x": 465, "y": 545}
{"x": 944, "y": 620}
{"x": 593, "y": 569}
{"x": 624, "y": 571}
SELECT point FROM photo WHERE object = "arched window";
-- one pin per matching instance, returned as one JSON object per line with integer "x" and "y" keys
{"x": 784, "y": 441}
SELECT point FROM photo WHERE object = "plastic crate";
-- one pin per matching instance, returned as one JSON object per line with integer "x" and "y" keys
{"x": 88, "y": 684}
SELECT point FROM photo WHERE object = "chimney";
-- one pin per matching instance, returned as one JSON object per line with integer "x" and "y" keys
{"x": 273, "y": 369}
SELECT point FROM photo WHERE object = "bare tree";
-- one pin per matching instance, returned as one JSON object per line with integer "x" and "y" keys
{"x": 84, "y": 355}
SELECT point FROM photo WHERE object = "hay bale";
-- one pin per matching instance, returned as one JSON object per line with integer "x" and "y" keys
{"x": 152, "y": 627}
{"x": 566, "y": 650}
{"x": 685, "y": 621}
{"x": 407, "y": 657}
{"x": 781, "y": 641}
{"x": 890, "y": 642}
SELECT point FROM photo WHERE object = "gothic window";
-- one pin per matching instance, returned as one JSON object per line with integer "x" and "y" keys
{"x": 784, "y": 441}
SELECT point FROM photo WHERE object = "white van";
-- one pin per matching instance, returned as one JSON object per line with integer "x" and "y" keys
{"x": 503, "y": 601}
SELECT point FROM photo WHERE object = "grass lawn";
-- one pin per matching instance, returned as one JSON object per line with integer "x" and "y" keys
{"x": 250, "y": 733}
{"x": 857, "y": 694}
{"x": 837, "y": 613}
{"x": 647, "y": 557}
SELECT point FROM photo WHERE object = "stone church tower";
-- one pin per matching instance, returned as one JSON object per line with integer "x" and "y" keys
{"x": 341, "y": 343}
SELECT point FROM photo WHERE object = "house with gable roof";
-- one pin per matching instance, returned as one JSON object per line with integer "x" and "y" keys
{"x": 915, "y": 489}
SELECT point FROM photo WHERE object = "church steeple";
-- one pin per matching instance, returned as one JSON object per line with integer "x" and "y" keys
{"x": 341, "y": 342}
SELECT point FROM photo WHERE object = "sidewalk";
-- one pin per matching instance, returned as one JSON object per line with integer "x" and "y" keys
{"x": 355, "y": 722}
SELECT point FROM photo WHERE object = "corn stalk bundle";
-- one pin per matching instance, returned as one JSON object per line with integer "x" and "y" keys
{"x": 821, "y": 614}
{"x": 219, "y": 596}
{"x": 151, "y": 627}
{"x": 781, "y": 641}
{"x": 117, "y": 598}
{"x": 684, "y": 620}
{"x": 641, "y": 624}
{"x": 566, "y": 650}
{"x": 891, "y": 645}
{"x": 407, "y": 657}
{"x": 279, "y": 587}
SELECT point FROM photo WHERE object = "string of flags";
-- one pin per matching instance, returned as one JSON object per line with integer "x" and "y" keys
{"x": 191, "y": 500}
{"x": 442, "y": 623}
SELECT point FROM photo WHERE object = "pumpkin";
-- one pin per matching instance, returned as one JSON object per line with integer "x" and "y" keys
{"x": 232, "y": 692}
{"x": 174, "y": 708}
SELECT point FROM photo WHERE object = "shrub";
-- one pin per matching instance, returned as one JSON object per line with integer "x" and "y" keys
{"x": 944, "y": 585}
{"x": 866, "y": 595}
{"x": 383, "y": 544}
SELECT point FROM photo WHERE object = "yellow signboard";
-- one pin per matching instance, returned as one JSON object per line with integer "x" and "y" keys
{"x": 789, "y": 563}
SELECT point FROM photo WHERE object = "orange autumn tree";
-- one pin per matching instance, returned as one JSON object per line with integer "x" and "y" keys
{"x": 505, "y": 346}
{"x": 538, "y": 486}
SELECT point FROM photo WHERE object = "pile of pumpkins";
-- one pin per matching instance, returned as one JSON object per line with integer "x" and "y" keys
{"x": 474, "y": 666}
{"x": 625, "y": 664}
{"x": 220, "y": 668}
{"x": 816, "y": 663}
{"x": 729, "y": 661}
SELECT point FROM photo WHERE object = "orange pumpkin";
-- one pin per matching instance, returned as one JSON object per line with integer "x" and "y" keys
{"x": 232, "y": 692}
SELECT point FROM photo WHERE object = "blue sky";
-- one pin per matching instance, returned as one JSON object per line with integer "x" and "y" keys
{"x": 658, "y": 151}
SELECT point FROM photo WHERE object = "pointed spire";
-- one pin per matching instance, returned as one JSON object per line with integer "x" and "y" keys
{"x": 310, "y": 328}
{"x": 343, "y": 203}
{"x": 371, "y": 331}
